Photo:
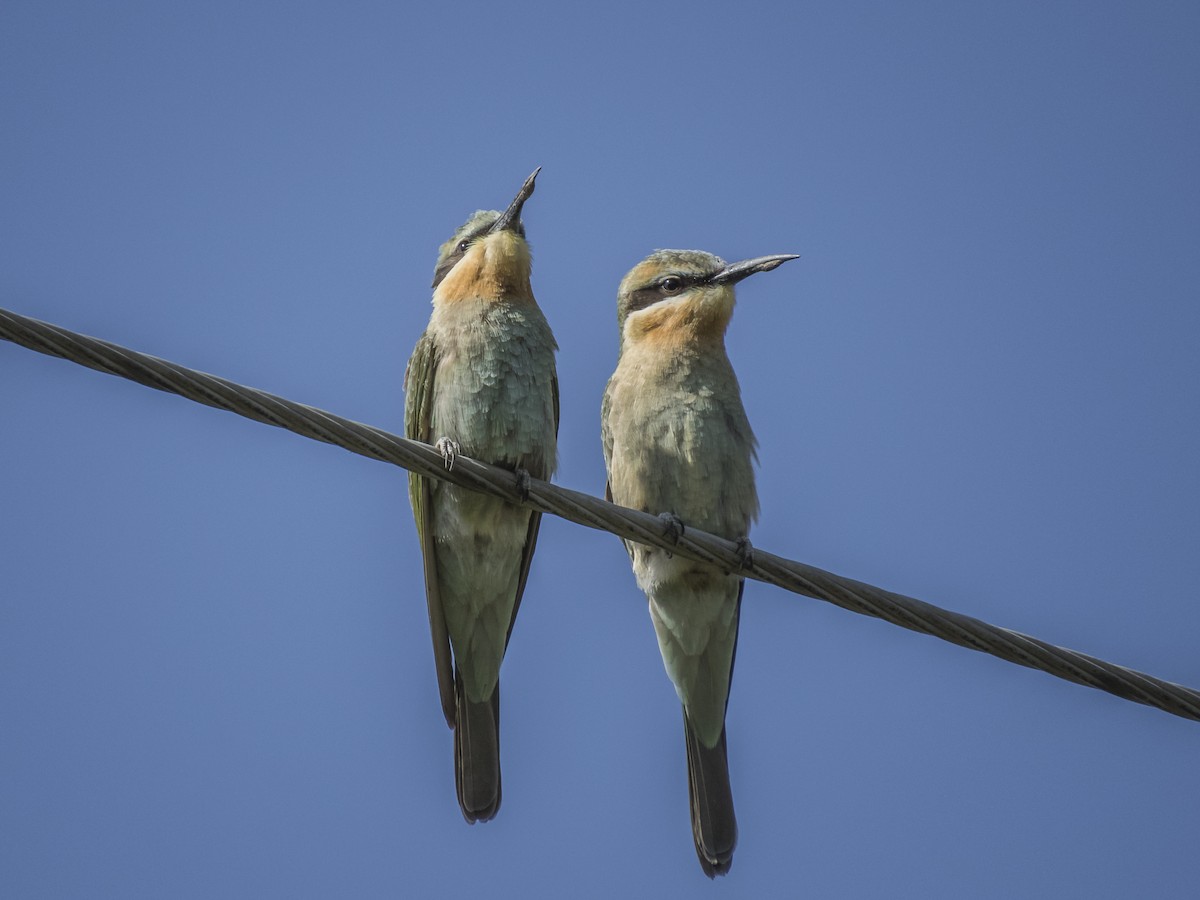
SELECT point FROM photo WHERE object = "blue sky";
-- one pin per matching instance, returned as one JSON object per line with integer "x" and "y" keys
{"x": 979, "y": 386}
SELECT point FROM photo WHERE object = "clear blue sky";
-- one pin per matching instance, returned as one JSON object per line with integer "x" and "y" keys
{"x": 979, "y": 386}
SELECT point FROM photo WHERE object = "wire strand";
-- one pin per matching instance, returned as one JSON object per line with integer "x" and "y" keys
{"x": 584, "y": 509}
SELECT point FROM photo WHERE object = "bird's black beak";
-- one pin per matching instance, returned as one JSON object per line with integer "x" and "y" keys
{"x": 734, "y": 273}
{"x": 510, "y": 219}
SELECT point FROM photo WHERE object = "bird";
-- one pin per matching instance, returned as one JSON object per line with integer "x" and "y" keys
{"x": 677, "y": 444}
{"x": 482, "y": 383}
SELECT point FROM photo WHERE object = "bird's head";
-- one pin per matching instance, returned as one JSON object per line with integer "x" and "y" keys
{"x": 487, "y": 257}
{"x": 683, "y": 293}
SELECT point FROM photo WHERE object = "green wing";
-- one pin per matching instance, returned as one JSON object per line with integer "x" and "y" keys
{"x": 535, "y": 523}
{"x": 418, "y": 412}
{"x": 606, "y": 440}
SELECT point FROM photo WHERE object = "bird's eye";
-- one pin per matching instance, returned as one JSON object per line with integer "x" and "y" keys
{"x": 672, "y": 284}
{"x": 463, "y": 245}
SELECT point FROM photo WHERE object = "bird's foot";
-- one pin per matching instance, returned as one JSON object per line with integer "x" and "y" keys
{"x": 744, "y": 551}
{"x": 449, "y": 450}
{"x": 672, "y": 527}
{"x": 524, "y": 480}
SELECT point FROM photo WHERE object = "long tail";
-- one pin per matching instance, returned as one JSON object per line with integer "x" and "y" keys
{"x": 714, "y": 826}
{"x": 477, "y": 754}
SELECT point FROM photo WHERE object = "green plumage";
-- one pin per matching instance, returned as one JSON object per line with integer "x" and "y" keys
{"x": 481, "y": 383}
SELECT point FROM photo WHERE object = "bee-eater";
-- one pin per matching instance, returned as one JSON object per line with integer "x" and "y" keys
{"x": 677, "y": 444}
{"x": 481, "y": 382}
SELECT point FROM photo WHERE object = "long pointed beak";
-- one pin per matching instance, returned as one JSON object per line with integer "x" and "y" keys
{"x": 734, "y": 273}
{"x": 511, "y": 217}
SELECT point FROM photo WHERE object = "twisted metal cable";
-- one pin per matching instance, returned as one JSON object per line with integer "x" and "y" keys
{"x": 593, "y": 512}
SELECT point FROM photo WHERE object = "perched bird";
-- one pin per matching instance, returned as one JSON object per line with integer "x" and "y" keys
{"x": 677, "y": 444}
{"x": 481, "y": 382}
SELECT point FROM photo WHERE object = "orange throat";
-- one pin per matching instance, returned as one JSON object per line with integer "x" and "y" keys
{"x": 496, "y": 268}
{"x": 677, "y": 324}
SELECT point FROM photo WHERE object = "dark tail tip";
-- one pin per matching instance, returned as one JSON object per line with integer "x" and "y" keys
{"x": 714, "y": 825}
{"x": 477, "y": 754}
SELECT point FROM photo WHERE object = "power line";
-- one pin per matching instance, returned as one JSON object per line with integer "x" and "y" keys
{"x": 593, "y": 512}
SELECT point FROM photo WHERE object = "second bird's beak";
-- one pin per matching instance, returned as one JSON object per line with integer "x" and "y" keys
{"x": 511, "y": 217}
{"x": 735, "y": 272}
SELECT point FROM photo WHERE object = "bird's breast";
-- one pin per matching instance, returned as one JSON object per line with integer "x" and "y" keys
{"x": 493, "y": 391}
{"x": 681, "y": 442}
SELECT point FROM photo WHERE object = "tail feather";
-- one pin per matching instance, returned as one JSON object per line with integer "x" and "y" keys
{"x": 477, "y": 754}
{"x": 714, "y": 826}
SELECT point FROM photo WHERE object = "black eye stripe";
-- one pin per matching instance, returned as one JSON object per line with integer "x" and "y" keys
{"x": 654, "y": 292}
{"x": 643, "y": 298}
{"x": 471, "y": 238}
{"x": 678, "y": 283}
